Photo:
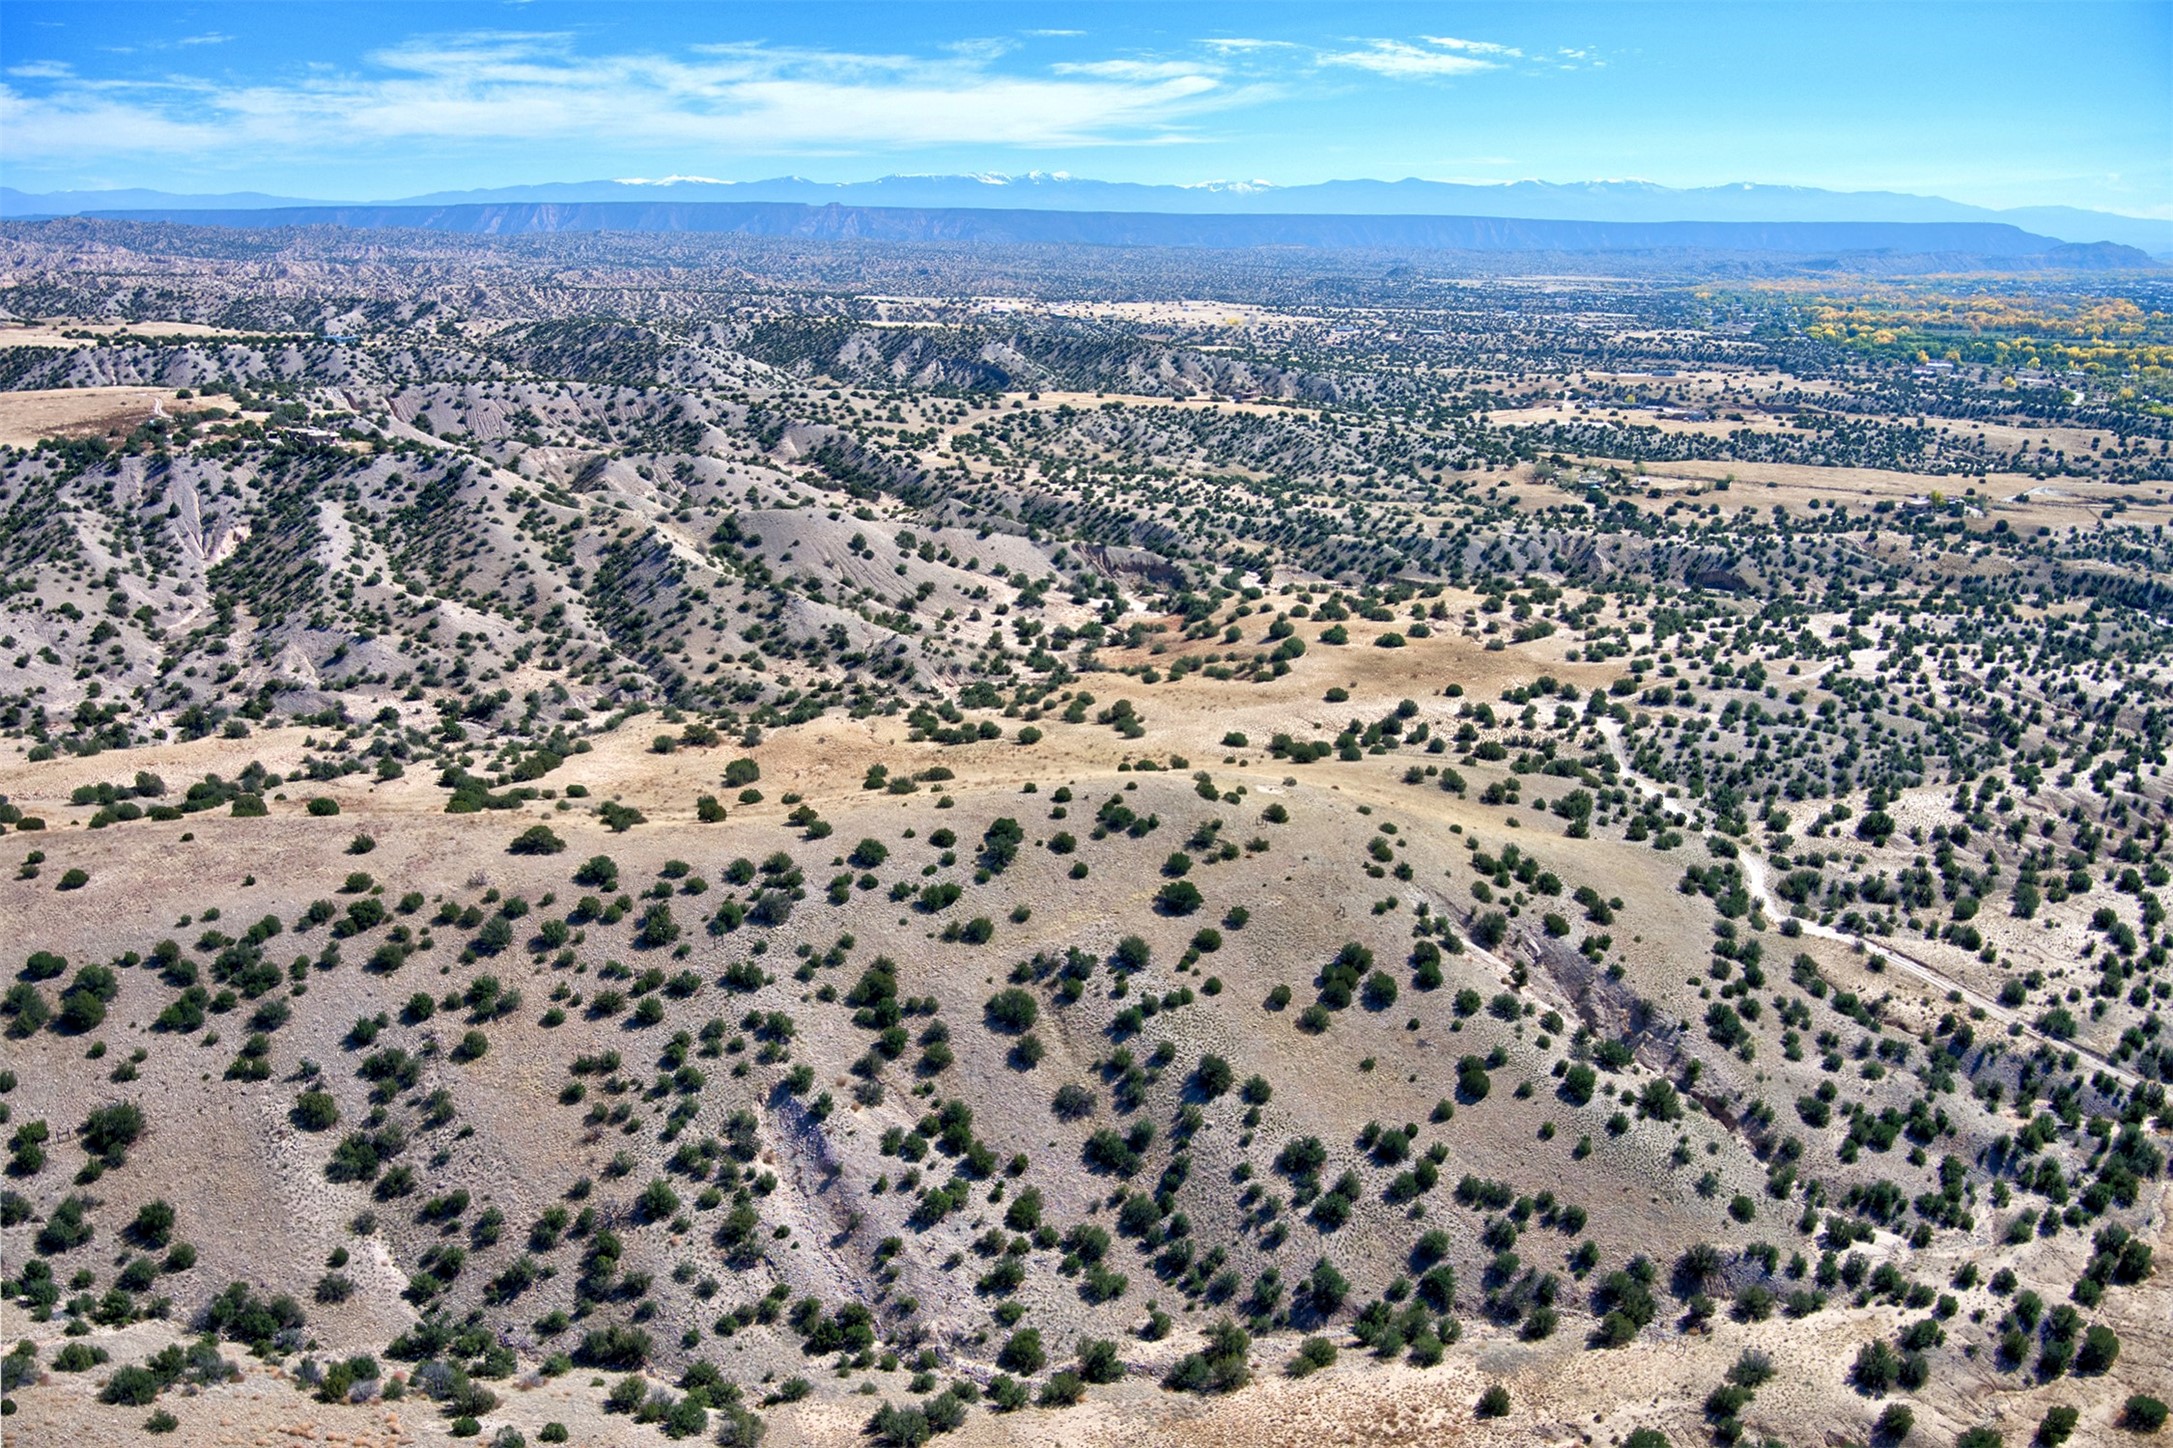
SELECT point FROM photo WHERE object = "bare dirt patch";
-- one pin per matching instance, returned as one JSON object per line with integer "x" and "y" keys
{"x": 27, "y": 418}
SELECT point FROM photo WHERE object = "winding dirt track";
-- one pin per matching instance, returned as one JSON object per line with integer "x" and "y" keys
{"x": 1754, "y": 873}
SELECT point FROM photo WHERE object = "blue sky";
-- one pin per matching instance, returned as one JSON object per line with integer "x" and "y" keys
{"x": 2002, "y": 105}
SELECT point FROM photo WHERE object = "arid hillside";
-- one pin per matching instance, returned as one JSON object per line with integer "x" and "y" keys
{"x": 599, "y": 851}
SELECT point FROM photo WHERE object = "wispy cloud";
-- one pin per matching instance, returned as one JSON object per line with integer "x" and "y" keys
{"x": 1435, "y": 57}
{"x": 983, "y": 47}
{"x": 1473, "y": 47}
{"x": 539, "y": 87}
{"x": 209, "y": 37}
{"x": 1130, "y": 69}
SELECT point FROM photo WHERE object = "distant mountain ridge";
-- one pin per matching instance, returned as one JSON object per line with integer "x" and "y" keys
{"x": 1965, "y": 242}
{"x": 1588, "y": 201}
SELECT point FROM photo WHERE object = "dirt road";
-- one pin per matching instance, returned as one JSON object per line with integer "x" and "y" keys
{"x": 1754, "y": 874}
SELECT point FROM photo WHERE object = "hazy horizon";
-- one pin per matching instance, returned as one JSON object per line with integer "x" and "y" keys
{"x": 998, "y": 180}
{"x": 372, "y": 103}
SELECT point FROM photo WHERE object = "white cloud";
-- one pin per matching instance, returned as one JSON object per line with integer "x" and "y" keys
{"x": 1473, "y": 47}
{"x": 1403, "y": 60}
{"x": 209, "y": 37}
{"x": 987, "y": 47}
{"x": 537, "y": 87}
{"x": 88, "y": 124}
{"x": 1130, "y": 69}
{"x": 42, "y": 70}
